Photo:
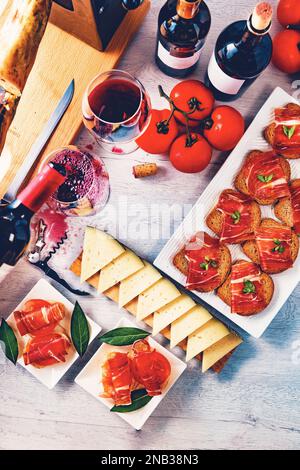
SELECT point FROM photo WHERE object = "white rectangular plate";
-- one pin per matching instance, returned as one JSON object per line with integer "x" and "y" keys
{"x": 284, "y": 282}
{"x": 90, "y": 378}
{"x": 50, "y": 376}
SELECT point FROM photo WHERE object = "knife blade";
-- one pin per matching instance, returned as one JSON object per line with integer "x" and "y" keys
{"x": 39, "y": 144}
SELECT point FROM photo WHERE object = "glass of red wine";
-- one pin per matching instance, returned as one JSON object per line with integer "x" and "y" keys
{"x": 86, "y": 188}
{"x": 116, "y": 109}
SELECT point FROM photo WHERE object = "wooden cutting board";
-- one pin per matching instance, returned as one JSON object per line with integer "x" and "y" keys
{"x": 61, "y": 57}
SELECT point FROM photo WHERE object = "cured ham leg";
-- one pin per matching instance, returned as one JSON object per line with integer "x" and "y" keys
{"x": 20, "y": 38}
{"x": 8, "y": 106}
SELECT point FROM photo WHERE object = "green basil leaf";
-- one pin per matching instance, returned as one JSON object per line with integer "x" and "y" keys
{"x": 8, "y": 342}
{"x": 268, "y": 178}
{"x": 261, "y": 178}
{"x": 79, "y": 330}
{"x": 289, "y": 131}
{"x": 140, "y": 398}
{"x": 123, "y": 336}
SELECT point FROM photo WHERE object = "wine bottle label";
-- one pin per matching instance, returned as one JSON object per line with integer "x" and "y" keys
{"x": 220, "y": 80}
{"x": 178, "y": 63}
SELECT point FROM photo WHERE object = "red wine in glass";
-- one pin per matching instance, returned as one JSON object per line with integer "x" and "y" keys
{"x": 116, "y": 110}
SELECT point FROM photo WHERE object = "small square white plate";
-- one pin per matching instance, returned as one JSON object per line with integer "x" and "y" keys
{"x": 50, "y": 376}
{"x": 90, "y": 378}
{"x": 285, "y": 282}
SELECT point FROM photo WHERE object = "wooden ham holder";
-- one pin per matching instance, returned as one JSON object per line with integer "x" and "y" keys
{"x": 61, "y": 57}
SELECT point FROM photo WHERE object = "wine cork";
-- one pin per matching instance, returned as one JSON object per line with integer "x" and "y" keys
{"x": 187, "y": 9}
{"x": 144, "y": 170}
{"x": 262, "y": 16}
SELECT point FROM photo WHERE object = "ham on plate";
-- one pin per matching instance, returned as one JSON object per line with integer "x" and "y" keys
{"x": 203, "y": 256}
{"x": 117, "y": 378}
{"x": 266, "y": 178}
{"x": 246, "y": 288}
{"x": 47, "y": 349}
{"x": 38, "y": 316}
{"x": 287, "y": 130}
{"x": 236, "y": 209}
{"x": 274, "y": 247}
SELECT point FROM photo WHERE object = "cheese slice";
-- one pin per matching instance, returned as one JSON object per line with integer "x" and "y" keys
{"x": 156, "y": 297}
{"x": 204, "y": 337}
{"x": 137, "y": 283}
{"x": 125, "y": 265}
{"x": 218, "y": 350}
{"x": 169, "y": 313}
{"x": 99, "y": 249}
{"x": 188, "y": 324}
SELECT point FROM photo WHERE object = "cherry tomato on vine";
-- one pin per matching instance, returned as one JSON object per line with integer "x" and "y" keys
{"x": 286, "y": 51}
{"x": 160, "y": 133}
{"x": 189, "y": 95}
{"x": 190, "y": 154}
{"x": 288, "y": 12}
{"x": 227, "y": 128}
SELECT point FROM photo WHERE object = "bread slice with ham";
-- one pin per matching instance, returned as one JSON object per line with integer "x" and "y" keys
{"x": 288, "y": 209}
{"x": 247, "y": 290}
{"x": 275, "y": 249}
{"x": 283, "y": 134}
{"x": 221, "y": 268}
{"x": 234, "y": 218}
{"x": 264, "y": 176}
{"x": 20, "y": 38}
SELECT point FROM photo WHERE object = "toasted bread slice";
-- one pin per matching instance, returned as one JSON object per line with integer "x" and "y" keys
{"x": 214, "y": 220}
{"x": 269, "y": 134}
{"x": 250, "y": 247}
{"x": 224, "y": 292}
{"x": 181, "y": 263}
{"x": 241, "y": 182}
{"x": 283, "y": 209}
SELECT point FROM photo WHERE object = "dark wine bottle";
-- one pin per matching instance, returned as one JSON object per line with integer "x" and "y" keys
{"x": 15, "y": 217}
{"x": 182, "y": 29}
{"x": 242, "y": 52}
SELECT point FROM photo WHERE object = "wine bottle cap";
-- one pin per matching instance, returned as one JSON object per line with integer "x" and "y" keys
{"x": 262, "y": 16}
{"x": 42, "y": 187}
{"x": 187, "y": 9}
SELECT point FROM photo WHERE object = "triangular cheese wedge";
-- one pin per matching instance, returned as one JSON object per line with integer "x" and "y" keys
{"x": 188, "y": 324}
{"x": 169, "y": 313}
{"x": 120, "y": 268}
{"x": 99, "y": 249}
{"x": 137, "y": 283}
{"x": 218, "y": 350}
{"x": 204, "y": 337}
{"x": 156, "y": 297}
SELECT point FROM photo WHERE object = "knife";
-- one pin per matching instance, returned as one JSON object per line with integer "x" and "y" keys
{"x": 39, "y": 144}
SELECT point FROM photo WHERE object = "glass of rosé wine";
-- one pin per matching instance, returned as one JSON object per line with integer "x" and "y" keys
{"x": 86, "y": 189}
{"x": 116, "y": 109}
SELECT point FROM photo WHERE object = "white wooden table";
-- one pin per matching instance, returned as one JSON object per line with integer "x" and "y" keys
{"x": 253, "y": 404}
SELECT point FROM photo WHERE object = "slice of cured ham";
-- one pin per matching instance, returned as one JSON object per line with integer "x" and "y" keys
{"x": 150, "y": 368}
{"x": 266, "y": 178}
{"x": 246, "y": 288}
{"x": 274, "y": 247}
{"x": 37, "y": 316}
{"x": 117, "y": 378}
{"x": 236, "y": 209}
{"x": 287, "y": 130}
{"x": 203, "y": 255}
{"x": 47, "y": 350}
{"x": 295, "y": 200}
